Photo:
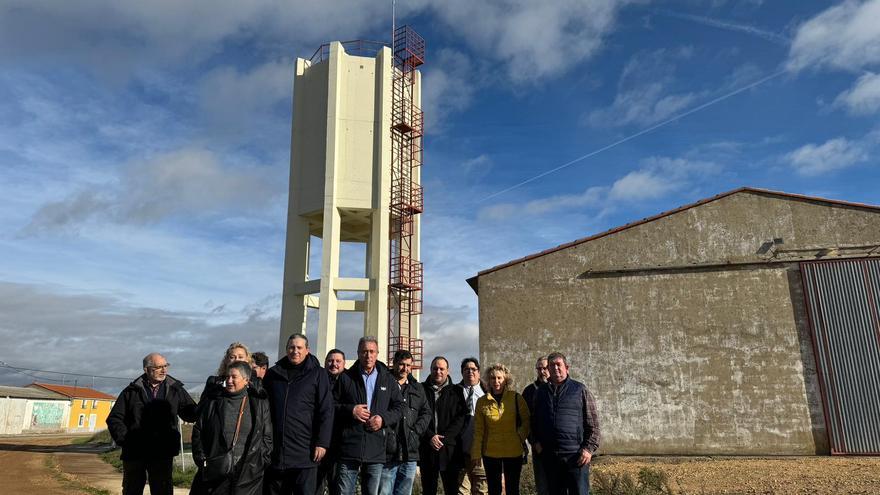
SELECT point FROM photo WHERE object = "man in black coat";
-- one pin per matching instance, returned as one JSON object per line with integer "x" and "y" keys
{"x": 334, "y": 363}
{"x": 541, "y": 375}
{"x": 402, "y": 441}
{"x": 143, "y": 422}
{"x": 367, "y": 399}
{"x": 438, "y": 456}
{"x": 301, "y": 402}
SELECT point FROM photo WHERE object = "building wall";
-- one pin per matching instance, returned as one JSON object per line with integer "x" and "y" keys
{"x": 681, "y": 359}
{"x": 46, "y": 415}
{"x": 12, "y": 415}
{"x": 100, "y": 408}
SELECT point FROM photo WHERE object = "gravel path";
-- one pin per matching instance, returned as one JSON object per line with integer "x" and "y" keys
{"x": 757, "y": 476}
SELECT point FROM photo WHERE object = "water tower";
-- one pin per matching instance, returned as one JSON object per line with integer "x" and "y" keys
{"x": 356, "y": 152}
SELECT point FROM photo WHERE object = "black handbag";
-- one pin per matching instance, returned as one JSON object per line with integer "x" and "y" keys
{"x": 221, "y": 466}
{"x": 525, "y": 445}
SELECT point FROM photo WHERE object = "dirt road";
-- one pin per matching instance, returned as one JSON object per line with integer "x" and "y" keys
{"x": 30, "y": 464}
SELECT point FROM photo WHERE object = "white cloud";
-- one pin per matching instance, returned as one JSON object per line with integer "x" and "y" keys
{"x": 450, "y": 81}
{"x": 656, "y": 177}
{"x": 864, "y": 97}
{"x": 534, "y": 40}
{"x": 834, "y": 154}
{"x": 191, "y": 182}
{"x": 235, "y": 101}
{"x": 845, "y": 36}
{"x": 660, "y": 176}
{"x": 119, "y": 39}
{"x": 591, "y": 197}
{"x": 478, "y": 165}
{"x": 644, "y": 92}
{"x": 48, "y": 325}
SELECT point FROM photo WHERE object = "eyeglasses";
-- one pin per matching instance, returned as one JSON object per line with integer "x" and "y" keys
{"x": 470, "y": 370}
{"x": 163, "y": 367}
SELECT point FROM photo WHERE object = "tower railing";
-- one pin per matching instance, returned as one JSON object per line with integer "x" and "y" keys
{"x": 407, "y": 198}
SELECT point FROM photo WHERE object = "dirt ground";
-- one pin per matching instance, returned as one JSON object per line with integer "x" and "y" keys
{"x": 50, "y": 464}
{"x": 26, "y": 465}
{"x": 757, "y": 476}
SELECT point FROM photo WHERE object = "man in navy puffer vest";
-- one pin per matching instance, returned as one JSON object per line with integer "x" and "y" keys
{"x": 565, "y": 426}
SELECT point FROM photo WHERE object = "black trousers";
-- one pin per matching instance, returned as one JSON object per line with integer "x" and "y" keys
{"x": 290, "y": 481}
{"x": 430, "y": 477}
{"x": 510, "y": 467}
{"x": 135, "y": 474}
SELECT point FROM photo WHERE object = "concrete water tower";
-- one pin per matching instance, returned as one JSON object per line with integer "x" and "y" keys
{"x": 356, "y": 149}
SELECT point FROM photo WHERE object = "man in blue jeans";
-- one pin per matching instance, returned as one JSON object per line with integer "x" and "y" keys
{"x": 367, "y": 399}
{"x": 402, "y": 441}
{"x": 565, "y": 429}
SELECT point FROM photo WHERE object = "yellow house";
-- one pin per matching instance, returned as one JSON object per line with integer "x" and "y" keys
{"x": 89, "y": 408}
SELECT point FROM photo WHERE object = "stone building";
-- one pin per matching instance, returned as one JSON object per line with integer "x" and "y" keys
{"x": 699, "y": 330}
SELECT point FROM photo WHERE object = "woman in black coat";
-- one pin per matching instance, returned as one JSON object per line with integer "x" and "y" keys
{"x": 214, "y": 434}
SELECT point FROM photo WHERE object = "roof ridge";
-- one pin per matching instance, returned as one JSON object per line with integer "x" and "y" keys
{"x": 758, "y": 190}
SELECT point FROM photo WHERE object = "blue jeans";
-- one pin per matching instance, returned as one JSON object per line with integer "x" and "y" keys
{"x": 397, "y": 478}
{"x": 564, "y": 476}
{"x": 347, "y": 475}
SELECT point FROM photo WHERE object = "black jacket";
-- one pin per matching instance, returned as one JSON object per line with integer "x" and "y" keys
{"x": 209, "y": 441}
{"x": 402, "y": 441}
{"x": 466, "y": 439}
{"x": 449, "y": 412}
{"x": 147, "y": 429}
{"x": 356, "y": 442}
{"x": 301, "y": 403}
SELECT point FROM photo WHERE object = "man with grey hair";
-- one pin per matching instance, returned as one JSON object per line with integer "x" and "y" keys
{"x": 367, "y": 399}
{"x": 143, "y": 422}
{"x": 565, "y": 429}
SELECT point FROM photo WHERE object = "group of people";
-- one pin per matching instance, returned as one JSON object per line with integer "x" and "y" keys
{"x": 298, "y": 427}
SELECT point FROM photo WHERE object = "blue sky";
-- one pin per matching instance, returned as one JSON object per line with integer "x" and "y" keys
{"x": 144, "y": 149}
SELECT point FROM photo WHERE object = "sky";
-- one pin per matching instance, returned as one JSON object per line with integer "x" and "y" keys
{"x": 145, "y": 146}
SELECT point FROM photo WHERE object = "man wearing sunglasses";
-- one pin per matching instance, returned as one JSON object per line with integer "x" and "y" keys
{"x": 144, "y": 423}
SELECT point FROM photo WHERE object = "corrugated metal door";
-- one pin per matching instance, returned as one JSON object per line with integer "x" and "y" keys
{"x": 843, "y": 304}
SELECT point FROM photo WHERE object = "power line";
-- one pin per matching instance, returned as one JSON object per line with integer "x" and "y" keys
{"x": 24, "y": 370}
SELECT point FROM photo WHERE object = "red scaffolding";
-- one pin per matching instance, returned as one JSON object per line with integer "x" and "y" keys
{"x": 407, "y": 129}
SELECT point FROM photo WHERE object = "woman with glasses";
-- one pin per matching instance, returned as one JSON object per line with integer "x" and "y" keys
{"x": 232, "y": 438}
{"x": 501, "y": 426}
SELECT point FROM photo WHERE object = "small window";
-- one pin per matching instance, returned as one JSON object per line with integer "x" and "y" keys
{"x": 83, "y": 405}
{"x": 82, "y": 420}
{"x": 94, "y": 404}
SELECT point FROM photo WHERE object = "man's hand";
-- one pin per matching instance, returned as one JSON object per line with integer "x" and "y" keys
{"x": 537, "y": 447}
{"x": 318, "y": 454}
{"x": 361, "y": 413}
{"x": 584, "y": 458}
{"x": 374, "y": 423}
{"x": 437, "y": 442}
{"x": 474, "y": 463}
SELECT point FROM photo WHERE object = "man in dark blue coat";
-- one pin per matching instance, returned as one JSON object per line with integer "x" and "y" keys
{"x": 565, "y": 429}
{"x": 367, "y": 399}
{"x": 301, "y": 402}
